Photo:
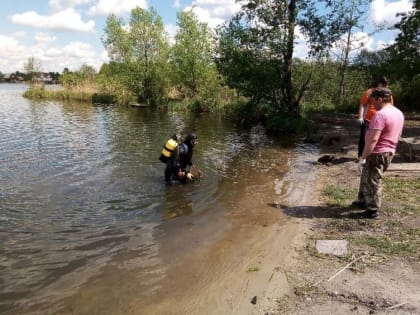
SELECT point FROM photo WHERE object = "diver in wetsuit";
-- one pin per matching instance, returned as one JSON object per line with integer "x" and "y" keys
{"x": 179, "y": 165}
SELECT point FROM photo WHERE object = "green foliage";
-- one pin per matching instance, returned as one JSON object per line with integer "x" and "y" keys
{"x": 142, "y": 50}
{"x": 256, "y": 48}
{"x": 35, "y": 93}
{"x": 405, "y": 51}
{"x": 193, "y": 70}
{"x": 83, "y": 77}
{"x": 115, "y": 79}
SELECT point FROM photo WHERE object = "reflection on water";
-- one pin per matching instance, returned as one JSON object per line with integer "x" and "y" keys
{"x": 82, "y": 192}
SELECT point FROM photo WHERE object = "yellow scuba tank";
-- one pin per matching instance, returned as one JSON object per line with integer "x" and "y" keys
{"x": 167, "y": 150}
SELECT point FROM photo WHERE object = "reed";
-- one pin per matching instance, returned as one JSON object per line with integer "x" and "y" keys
{"x": 85, "y": 93}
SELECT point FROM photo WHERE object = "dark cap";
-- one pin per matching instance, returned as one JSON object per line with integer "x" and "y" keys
{"x": 191, "y": 136}
{"x": 381, "y": 92}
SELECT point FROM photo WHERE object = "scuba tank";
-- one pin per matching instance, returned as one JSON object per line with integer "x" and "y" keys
{"x": 168, "y": 149}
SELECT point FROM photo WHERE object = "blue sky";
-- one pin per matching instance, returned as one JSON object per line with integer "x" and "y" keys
{"x": 67, "y": 33}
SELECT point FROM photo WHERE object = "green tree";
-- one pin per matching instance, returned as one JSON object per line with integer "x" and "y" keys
{"x": 261, "y": 38}
{"x": 406, "y": 50}
{"x": 404, "y": 61}
{"x": 192, "y": 55}
{"x": 116, "y": 40}
{"x": 142, "y": 46}
{"x": 348, "y": 17}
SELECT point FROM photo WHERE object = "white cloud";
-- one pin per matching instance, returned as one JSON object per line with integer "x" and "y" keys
{"x": 9, "y": 46}
{"x": 42, "y": 38}
{"x": 171, "y": 30}
{"x": 384, "y": 12}
{"x": 177, "y": 4}
{"x": 300, "y": 49}
{"x": 10, "y": 53}
{"x": 118, "y": 7}
{"x": 214, "y": 12}
{"x": 67, "y": 20}
{"x": 59, "y": 5}
{"x": 13, "y": 55}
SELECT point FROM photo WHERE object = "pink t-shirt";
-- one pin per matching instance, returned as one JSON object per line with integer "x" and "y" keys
{"x": 390, "y": 120}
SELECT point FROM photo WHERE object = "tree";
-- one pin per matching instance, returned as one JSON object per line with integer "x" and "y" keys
{"x": 261, "y": 38}
{"x": 116, "y": 40}
{"x": 406, "y": 50}
{"x": 404, "y": 61}
{"x": 142, "y": 47}
{"x": 192, "y": 54}
{"x": 347, "y": 17}
{"x": 32, "y": 68}
{"x": 150, "y": 51}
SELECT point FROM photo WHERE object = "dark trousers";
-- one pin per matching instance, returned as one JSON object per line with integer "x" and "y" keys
{"x": 363, "y": 129}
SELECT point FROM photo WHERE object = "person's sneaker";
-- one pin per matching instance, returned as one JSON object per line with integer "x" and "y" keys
{"x": 359, "y": 204}
{"x": 370, "y": 214}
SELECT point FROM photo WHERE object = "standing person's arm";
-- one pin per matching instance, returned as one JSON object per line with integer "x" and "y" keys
{"x": 372, "y": 137}
{"x": 364, "y": 103}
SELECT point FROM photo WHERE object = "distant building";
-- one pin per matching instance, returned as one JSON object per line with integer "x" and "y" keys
{"x": 13, "y": 78}
{"x": 44, "y": 78}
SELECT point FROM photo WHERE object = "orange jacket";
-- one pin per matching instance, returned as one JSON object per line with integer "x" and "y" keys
{"x": 368, "y": 102}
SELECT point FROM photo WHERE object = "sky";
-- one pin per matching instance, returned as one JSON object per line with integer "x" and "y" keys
{"x": 67, "y": 33}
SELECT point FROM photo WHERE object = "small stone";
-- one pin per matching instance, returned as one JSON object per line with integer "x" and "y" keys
{"x": 254, "y": 300}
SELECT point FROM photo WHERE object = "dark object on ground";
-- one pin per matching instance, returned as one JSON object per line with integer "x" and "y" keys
{"x": 325, "y": 159}
{"x": 254, "y": 300}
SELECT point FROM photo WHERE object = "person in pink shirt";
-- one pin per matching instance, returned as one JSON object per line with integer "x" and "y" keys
{"x": 381, "y": 142}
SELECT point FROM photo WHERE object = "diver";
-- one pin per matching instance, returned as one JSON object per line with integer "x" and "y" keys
{"x": 179, "y": 164}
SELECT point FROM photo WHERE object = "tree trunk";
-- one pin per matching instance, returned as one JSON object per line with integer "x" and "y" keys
{"x": 291, "y": 105}
{"x": 343, "y": 69}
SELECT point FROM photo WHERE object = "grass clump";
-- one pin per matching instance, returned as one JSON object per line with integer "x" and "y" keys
{"x": 338, "y": 196}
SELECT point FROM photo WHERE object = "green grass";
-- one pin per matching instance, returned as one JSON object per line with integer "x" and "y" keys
{"x": 394, "y": 234}
{"x": 402, "y": 195}
{"x": 405, "y": 243}
{"x": 339, "y": 196}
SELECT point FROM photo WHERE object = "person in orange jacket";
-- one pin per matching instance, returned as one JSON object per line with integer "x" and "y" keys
{"x": 366, "y": 112}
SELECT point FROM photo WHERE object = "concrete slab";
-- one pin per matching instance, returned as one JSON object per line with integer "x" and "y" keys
{"x": 332, "y": 247}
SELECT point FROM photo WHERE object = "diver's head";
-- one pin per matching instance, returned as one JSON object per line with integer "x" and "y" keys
{"x": 191, "y": 138}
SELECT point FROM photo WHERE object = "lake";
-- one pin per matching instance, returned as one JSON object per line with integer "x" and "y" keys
{"x": 86, "y": 217}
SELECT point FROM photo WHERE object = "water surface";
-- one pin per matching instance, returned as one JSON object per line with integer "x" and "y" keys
{"x": 82, "y": 190}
